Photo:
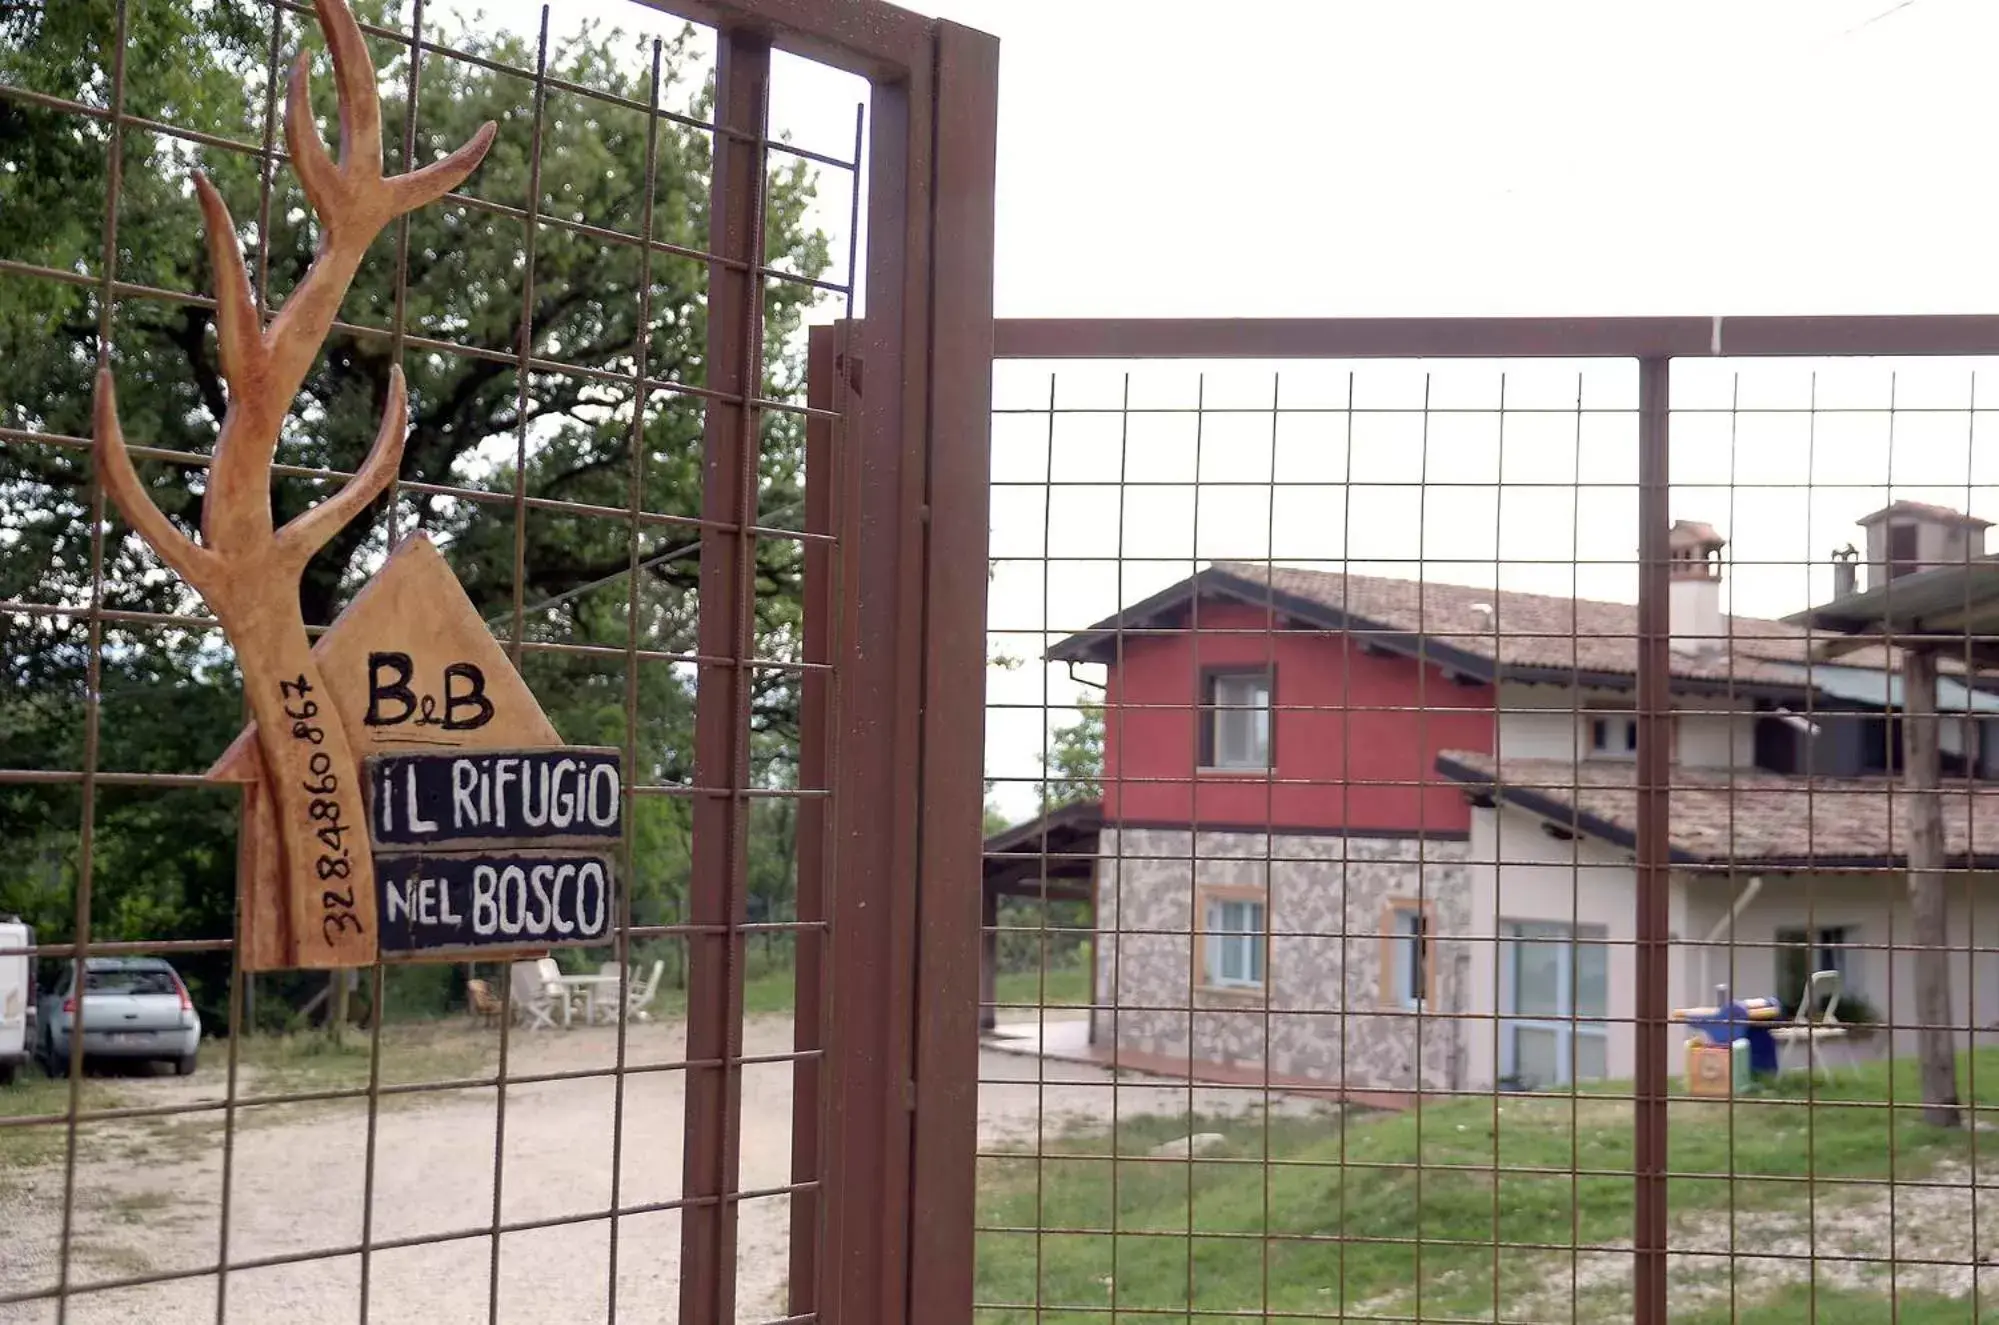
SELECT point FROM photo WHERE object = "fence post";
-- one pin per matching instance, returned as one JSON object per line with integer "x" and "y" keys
{"x": 1654, "y": 854}
{"x": 950, "y": 867}
{"x": 719, "y": 868}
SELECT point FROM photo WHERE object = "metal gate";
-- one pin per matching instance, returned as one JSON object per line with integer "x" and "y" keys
{"x": 1412, "y": 736}
{"x": 758, "y": 597}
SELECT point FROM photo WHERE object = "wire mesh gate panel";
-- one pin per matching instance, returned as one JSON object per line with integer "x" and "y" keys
{"x": 604, "y": 332}
{"x": 1487, "y": 821}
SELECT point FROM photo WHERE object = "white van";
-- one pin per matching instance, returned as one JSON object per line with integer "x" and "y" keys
{"x": 17, "y": 996}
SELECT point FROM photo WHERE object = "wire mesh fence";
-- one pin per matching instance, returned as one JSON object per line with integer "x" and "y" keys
{"x": 1485, "y": 838}
{"x": 603, "y": 333}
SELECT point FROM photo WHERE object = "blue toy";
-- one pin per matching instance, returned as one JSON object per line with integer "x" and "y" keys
{"x": 1748, "y": 1019}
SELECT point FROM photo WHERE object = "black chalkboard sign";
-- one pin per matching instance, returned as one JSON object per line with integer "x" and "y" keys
{"x": 494, "y": 796}
{"x": 494, "y": 848}
{"x": 487, "y": 900}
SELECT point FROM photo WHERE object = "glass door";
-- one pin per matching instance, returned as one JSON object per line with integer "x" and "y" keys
{"x": 1550, "y": 974}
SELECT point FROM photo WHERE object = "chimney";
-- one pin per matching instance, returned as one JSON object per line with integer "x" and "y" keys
{"x": 1845, "y": 573}
{"x": 1694, "y": 550}
{"x": 1905, "y": 537}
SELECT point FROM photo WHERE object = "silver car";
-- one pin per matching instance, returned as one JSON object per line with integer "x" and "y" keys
{"x": 133, "y": 1007}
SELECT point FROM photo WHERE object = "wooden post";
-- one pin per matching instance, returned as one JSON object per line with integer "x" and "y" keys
{"x": 336, "y": 1012}
{"x": 1929, "y": 901}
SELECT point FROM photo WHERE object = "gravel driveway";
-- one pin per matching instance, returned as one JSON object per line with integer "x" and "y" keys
{"x": 149, "y": 1193}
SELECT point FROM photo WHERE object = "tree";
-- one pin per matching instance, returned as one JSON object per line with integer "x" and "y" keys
{"x": 164, "y": 858}
{"x": 1929, "y": 900}
{"x": 1073, "y": 766}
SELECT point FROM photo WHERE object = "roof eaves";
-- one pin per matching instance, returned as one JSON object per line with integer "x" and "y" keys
{"x": 1076, "y": 816}
{"x": 1555, "y": 811}
{"x": 1089, "y": 645}
{"x": 1542, "y": 674}
{"x": 1086, "y": 645}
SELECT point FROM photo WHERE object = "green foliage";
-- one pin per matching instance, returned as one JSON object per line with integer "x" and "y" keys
{"x": 1029, "y": 943}
{"x": 164, "y": 859}
{"x": 1074, "y": 764}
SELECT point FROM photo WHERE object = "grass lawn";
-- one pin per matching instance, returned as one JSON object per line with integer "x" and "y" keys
{"x": 412, "y": 1051}
{"x": 34, "y": 1095}
{"x": 774, "y": 990}
{"x": 1058, "y": 986}
{"x": 1795, "y": 1304}
{"x": 1320, "y": 1215}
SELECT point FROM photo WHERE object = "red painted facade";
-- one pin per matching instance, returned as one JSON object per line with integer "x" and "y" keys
{"x": 1356, "y": 733}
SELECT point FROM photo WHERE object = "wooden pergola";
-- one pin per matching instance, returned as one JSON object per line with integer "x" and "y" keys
{"x": 1924, "y": 617}
{"x": 1049, "y": 858}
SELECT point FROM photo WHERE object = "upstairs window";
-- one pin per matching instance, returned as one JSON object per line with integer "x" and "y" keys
{"x": 1235, "y": 720}
{"x": 1610, "y": 735}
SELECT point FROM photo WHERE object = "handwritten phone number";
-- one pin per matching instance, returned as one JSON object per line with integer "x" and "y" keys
{"x": 332, "y": 864}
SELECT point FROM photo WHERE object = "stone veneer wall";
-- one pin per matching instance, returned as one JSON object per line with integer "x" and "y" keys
{"x": 1322, "y": 1014}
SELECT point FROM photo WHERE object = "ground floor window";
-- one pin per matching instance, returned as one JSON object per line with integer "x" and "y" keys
{"x": 1550, "y": 974}
{"x": 1802, "y": 951}
{"x": 1232, "y": 946}
{"x": 1407, "y": 972}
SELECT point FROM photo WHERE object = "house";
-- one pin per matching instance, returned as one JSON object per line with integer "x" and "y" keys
{"x": 1377, "y": 834}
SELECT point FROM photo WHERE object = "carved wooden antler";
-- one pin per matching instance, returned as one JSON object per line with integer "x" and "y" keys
{"x": 248, "y": 571}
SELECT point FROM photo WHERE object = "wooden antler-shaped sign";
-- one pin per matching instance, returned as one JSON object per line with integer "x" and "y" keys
{"x": 248, "y": 571}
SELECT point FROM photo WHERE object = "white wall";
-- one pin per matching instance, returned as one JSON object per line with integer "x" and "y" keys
{"x": 1550, "y": 729}
{"x": 1519, "y": 872}
{"x": 1717, "y": 740}
{"x": 1875, "y": 908}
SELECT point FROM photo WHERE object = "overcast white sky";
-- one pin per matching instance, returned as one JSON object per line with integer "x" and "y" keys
{"x": 1458, "y": 157}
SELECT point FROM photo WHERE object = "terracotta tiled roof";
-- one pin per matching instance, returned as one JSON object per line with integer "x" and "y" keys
{"x": 1693, "y": 531}
{"x": 1529, "y": 630}
{"x": 1744, "y": 816}
{"x": 1928, "y": 510}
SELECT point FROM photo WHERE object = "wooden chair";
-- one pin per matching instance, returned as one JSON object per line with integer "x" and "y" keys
{"x": 482, "y": 1003}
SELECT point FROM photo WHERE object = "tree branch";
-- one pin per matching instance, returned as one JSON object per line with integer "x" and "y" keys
{"x": 308, "y": 532}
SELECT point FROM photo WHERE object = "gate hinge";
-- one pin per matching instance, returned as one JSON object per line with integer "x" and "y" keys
{"x": 849, "y": 365}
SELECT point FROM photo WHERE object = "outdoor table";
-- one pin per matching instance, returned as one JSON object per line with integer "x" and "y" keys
{"x": 590, "y": 984}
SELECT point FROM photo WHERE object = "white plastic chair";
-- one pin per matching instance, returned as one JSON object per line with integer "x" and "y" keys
{"x": 639, "y": 994}
{"x": 1814, "y": 1028}
{"x": 534, "y": 1006}
{"x": 569, "y": 999}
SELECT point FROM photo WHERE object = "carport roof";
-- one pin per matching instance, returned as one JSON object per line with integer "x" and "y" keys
{"x": 1953, "y": 609}
{"x": 1056, "y": 851}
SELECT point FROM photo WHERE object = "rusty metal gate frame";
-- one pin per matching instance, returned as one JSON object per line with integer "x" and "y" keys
{"x": 1653, "y": 343}
{"x": 885, "y": 1053}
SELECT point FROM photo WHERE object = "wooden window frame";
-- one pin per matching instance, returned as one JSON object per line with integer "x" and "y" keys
{"x": 1228, "y": 892}
{"x": 1391, "y": 997}
{"x": 1208, "y": 711}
